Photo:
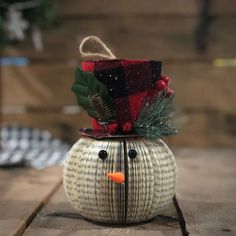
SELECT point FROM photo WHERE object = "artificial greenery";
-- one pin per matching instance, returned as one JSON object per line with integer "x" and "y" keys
{"x": 154, "y": 120}
{"x": 93, "y": 96}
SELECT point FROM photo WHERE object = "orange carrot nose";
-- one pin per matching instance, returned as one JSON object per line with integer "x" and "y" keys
{"x": 117, "y": 177}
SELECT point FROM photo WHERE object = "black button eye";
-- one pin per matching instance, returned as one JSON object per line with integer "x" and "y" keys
{"x": 102, "y": 154}
{"x": 132, "y": 153}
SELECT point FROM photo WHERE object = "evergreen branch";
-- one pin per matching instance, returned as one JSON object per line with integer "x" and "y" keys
{"x": 155, "y": 117}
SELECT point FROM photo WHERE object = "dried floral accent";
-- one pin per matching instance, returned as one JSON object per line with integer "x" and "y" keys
{"x": 104, "y": 112}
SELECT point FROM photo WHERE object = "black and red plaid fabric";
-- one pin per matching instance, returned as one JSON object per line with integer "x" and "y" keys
{"x": 128, "y": 83}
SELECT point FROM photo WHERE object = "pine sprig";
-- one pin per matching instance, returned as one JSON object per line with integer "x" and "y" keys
{"x": 155, "y": 117}
{"x": 103, "y": 111}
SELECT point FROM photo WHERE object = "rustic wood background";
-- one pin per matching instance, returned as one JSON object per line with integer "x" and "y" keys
{"x": 38, "y": 95}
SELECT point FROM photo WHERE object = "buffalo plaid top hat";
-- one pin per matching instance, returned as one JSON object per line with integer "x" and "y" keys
{"x": 114, "y": 91}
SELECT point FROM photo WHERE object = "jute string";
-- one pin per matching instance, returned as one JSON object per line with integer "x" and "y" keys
{"x": 93, "y": 48}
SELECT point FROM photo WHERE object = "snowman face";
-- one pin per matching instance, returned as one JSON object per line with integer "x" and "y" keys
{"x": 117, "y": 177}
{"x": 119, "y": 180}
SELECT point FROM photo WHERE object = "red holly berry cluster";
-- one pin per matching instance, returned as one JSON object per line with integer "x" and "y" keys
{"x": 162, "y": 84}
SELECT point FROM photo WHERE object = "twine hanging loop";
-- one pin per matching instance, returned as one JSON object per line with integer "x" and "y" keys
{"x": 92, "y": 47}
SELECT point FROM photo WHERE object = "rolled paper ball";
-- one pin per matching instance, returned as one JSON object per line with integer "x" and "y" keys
{"x": 126, "y": 127}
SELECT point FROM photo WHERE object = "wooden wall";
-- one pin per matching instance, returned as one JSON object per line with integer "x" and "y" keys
{"x": 39, "y": 94}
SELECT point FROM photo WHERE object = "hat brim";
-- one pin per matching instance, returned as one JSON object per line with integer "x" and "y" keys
{"x": 103, "y": 135}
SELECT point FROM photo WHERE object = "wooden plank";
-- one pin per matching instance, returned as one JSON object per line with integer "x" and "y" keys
{"x": 59, "y": 215}
{"x": 23, "y": 192}
{"x": 204, "y": 95}
{"x": 139, "y": 7}
{"x": 43, "y": 85}
{"x": 124, "y": 35}
{"x": 37, "y": 85}
{"x": 122, "y": 7}
{"x": 209, "y": 219}
{"x": 202, "y": 85}
{"x": 206, "y": 190}
{"x": 198, "y": 129}
{"x": 221, "y": 7}
{"x": 212, "y": 174}
{"x": 135, "y": 37}
{"x": 202, "y": 129}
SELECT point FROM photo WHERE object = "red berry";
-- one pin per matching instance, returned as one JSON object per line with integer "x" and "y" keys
{"x": 169, "y": 92}
{"x": 166, "y": 79}
{"x": 112, "y": 127}
{"x": 126, "y": 127}
{"x": 161, "y": 84}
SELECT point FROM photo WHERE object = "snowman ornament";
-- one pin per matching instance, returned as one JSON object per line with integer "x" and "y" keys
{"x": 120, "y": 171}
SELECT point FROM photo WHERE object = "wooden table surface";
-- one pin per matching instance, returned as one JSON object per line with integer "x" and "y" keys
{"x": 32, "y": 202}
